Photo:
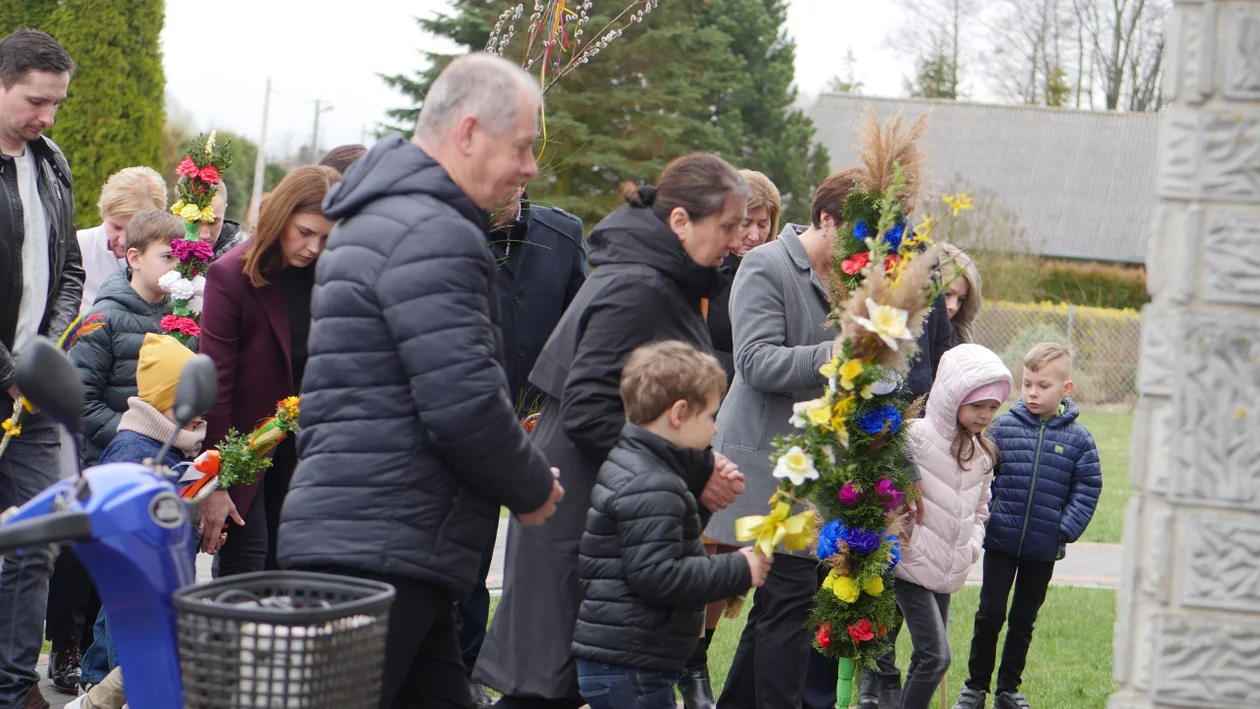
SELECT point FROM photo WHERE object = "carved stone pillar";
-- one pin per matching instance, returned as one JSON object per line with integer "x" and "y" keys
{"x": 1188, "y": 624}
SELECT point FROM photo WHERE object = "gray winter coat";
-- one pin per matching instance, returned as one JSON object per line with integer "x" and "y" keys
{"x": 107, "y": 357}
{"x": 782, "y": 336}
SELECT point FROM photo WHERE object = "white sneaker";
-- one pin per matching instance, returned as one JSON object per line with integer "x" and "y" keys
{"x": 77, "y": 702}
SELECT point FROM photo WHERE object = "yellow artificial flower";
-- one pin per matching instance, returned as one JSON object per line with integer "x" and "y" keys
{"x": 850, "y": 371}
{"x": 177, "y": 207}
{"x": 845, "y": 588}
{"x": 842, "y": 431}
{"x": 830, "y": 369}
{"x": 207, "y": 215}
{"x": 820, "y": 417}
{"x": 796, "y": 465}
{"x": 874, "y": 587}
{"x": 844, "y": 407}
{"x": 190, "y": 213}
{"x": 960, "y": 203}
{"x": 924, "y": 230}
{"x": 11, "y": 429}
{"x": 868, "y": 391}
{"x": 794, "y": 532}
{"x": 891, "y": 324}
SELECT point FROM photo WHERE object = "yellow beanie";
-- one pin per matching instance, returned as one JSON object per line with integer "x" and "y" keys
{"x": 162, "y": 359}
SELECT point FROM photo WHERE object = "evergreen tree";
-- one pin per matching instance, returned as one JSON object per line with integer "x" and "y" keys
{"x": 677, "y": 82}
{"x": 16, "y": 14}
{"x": 114, "y": 113}
{"x": 776, "y": 139}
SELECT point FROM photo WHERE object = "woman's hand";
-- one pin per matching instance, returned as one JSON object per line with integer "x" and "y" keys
{"x": 212, "y": 513}
{"x": 725, "y": 483}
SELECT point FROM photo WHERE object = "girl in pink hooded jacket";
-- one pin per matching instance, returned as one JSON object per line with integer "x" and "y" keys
{"x": 956, "y": 467}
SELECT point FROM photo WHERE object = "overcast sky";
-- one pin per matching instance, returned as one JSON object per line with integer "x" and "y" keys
{"x": 334, "y": 51}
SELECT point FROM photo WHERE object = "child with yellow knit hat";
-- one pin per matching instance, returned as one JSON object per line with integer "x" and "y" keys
{"x": 144, "y": 427}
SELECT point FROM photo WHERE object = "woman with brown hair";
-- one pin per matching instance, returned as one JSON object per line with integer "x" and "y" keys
{"x": 653, "y": 261}
{"x": 254, "y": 325}
{"x": 963, "y": 299}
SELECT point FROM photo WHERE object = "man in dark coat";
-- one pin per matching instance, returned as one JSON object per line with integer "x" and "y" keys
{"x": 41, "y": 278}
{"x": 405, "y": 383}
{"x": 541, "y": 265}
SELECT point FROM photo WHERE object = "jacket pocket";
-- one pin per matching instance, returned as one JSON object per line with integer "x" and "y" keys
{"x": 746, "y": 425}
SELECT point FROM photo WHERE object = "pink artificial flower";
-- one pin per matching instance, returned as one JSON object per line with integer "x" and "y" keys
{"x": 210, "y": 175}
{"x": 849, "y": 495}
{"x": 187, "y": 168}
{"x": 889, "y": 494}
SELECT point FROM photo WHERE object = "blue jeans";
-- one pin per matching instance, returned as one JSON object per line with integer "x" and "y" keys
{"x": 611, "y": 687}
{"x": 29, "y": 466}
{"x": 100, "y": 657}
{"x": 927, "y": 618}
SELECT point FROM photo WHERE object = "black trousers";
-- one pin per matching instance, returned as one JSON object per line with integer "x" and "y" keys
{"x": 253, "y": 547}
{"x": 770, "y": 664}
{"x": 1031, "y": 579}
{"x": 422, "y": 661}
{"x": 474, "y": 614}
{"x": 72, "y": 603}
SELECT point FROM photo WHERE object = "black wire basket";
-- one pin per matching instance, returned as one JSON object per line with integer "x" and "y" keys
{"x": 283, "y": 640}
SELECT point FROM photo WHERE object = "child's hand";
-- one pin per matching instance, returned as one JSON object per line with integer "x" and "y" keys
{"x": 757, "y": 564}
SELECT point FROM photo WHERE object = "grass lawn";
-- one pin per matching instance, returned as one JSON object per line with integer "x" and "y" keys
{"x": 1111, "y": 433}
{"x": 1069, "y": 664}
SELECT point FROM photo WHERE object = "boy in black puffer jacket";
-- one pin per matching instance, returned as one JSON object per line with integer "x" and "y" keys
{"x": 645, "y": 576}
{"x": 133, "y": 305}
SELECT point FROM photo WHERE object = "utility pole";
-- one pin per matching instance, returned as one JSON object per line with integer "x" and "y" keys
{"x": 260, "y": 164}
{"x": 315, "y": 134}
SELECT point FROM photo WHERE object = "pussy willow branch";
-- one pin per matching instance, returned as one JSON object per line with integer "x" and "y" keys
{"x": 593, "y": 42}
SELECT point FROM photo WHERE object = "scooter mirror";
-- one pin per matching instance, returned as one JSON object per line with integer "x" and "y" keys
{"x": 197, "y": 390}
{"x": 49, "y": 380}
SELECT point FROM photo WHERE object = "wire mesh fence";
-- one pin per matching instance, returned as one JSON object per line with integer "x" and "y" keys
{"x": 1105, "y": 344}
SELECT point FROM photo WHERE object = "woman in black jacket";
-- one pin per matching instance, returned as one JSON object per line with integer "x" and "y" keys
{"x": 653, "y": 262}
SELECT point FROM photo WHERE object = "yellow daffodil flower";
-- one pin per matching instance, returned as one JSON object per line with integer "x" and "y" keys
{"x": 796, "y": 465}
{"x": 820, "y": 417}
{"x": 794, "y": 532}
{"x": 829, "y": 369}
{"x": 886, "y": 321}
{"x": 850, "y": 371}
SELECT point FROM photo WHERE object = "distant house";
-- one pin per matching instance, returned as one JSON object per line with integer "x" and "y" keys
{"x": 1081, "y": 182}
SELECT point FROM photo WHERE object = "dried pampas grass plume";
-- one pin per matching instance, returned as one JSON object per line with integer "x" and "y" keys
{"x": 881, "y": 147}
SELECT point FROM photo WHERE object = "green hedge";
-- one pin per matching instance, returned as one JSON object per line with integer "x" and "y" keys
{"x": 1021, "y": 278}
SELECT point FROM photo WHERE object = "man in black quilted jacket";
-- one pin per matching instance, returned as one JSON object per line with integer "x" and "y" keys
{"x": 409, "y": 443}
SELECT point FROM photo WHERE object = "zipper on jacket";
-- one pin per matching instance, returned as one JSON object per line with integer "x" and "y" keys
{"x": 1041, "y": 437}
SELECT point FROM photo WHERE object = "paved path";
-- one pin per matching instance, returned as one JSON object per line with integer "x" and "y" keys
{"x": 1087, "y": 564}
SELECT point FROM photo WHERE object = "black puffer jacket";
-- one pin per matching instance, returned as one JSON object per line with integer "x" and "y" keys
{"x": 645, "y": 576}
{"x": 231, "y": 235}
{"x": 408, "y": 443}
{"x": 107, "y": 357}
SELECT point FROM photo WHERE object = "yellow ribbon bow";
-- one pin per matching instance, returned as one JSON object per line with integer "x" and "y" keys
{"x": 794, "y": 532}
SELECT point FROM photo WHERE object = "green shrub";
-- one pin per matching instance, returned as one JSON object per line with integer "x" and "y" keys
{"x": 1023, "y": 278}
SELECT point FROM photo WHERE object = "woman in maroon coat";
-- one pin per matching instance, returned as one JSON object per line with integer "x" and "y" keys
{"x": 254, "y": 325}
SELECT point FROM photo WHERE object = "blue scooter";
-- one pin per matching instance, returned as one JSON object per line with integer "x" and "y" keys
{"x": 126, "y": 523}
{"x": 134, "y": 534}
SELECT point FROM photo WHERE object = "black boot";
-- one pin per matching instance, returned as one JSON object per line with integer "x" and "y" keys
{"x": 890, "y": 694}
{"x": 694, "y": 686}
{"x": 868, "y": 691}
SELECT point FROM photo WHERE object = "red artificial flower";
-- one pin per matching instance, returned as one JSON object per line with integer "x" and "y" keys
{"x": 187, "y": 168}
{"x": 891, "y": 262}
{"x": 861, "y": 631}
{"x": 210, "y": 175}
{"x": 881, "y": 630}
{"x": 182, "y": 325}
{"x": 824, "y": 636}
{"x": 529, "y": 422}
{"x": 853, "y": 265}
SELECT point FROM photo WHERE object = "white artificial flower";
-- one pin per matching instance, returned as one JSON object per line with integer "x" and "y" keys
{"x": 886, "y": 321}
{"x": 796, "y": 465}
{"x": 179, "y": 287}
{"x": 830, "y": 454}
{"x": 801, "y": 409}
{"x": 199, "y": 285}
{"x": 195, "y": 305}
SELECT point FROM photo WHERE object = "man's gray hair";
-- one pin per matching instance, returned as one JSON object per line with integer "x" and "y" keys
{"x": 221, "y": 189}
{"x": 479, "y": 84}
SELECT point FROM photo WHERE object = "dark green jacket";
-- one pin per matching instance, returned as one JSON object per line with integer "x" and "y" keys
{"x": 107, "y": 358}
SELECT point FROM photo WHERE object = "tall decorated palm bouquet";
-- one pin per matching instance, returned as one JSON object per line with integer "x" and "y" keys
{"x": 847, "y": 460}
{"x": 200, "y": 174}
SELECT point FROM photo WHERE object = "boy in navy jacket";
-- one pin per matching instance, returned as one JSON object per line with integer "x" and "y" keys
{"x": 1045, "y": 489}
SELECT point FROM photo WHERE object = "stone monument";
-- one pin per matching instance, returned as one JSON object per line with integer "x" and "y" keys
{"x": 1188, "y": 623}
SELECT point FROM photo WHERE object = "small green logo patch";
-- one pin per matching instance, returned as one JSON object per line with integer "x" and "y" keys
{"x": 1058, "y": 448}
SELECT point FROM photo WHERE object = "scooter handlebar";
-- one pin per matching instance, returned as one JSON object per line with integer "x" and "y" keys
{"x": 56, "y": 527}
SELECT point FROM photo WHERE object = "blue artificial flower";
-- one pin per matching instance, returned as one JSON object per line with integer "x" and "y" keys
{"x": 893, "y": 237}
{"x": 895, "y": 551}
{"x": 862, "y": 540}
{"x": 860, "y": 230}
{"x": 874, "y": 421}
{"x": 829, "y": 538}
